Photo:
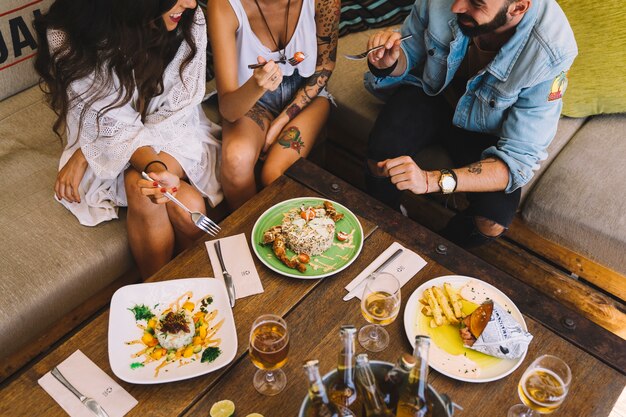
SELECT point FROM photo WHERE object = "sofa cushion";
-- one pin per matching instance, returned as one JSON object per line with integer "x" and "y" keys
{"x": 50, "y": 263}
{"x": 357, "y": 110}
{"x": 18, "y": 44}
{"x": 598, "y": 75}
{"x": 579, "y": 202}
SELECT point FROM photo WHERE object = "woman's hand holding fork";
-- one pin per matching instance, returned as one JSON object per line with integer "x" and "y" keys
{"x": 269, "y": 76}
{"x": 163, "y": 181}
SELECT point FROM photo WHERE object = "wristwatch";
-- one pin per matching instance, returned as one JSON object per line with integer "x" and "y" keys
{"x": 447, "y": 181}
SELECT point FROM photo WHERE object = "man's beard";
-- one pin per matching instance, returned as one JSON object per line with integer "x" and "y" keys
{"x": 499, "y": 20}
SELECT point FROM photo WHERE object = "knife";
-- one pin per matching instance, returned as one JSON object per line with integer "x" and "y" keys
{"x": 227, "y": 278}
{"x": 354, "y": 290}
{"x": 90, "y": 403}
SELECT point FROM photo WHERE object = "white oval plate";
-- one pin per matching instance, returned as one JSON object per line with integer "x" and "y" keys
{"x": 123, "y": 328}
{"x": 439, "y": 359}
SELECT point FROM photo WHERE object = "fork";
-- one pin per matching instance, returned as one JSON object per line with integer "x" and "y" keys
{"x": 293, "y": 61}
{"x": 199, "y": 219}
{"x": 364, "y": 55}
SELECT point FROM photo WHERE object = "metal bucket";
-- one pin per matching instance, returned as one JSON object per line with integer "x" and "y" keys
{"x": 443, "y": 405}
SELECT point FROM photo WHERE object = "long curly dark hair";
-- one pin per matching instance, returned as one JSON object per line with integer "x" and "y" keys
{"x": 125, "y": 38}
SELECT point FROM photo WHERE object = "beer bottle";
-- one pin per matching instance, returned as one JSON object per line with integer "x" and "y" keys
{"x": 369, "y": 394}
{"x": 343, "y": 389}
{"x": 319, "y": 404}
{"x": 414, "y": 401}
{"x": 396, "y": 379}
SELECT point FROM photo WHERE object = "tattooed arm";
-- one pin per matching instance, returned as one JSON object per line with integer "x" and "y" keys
{"x": 490, "y": 174}
{"x": 327, "y": 13}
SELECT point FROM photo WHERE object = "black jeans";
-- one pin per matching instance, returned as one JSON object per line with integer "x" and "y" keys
{"x": 412, "y": 120}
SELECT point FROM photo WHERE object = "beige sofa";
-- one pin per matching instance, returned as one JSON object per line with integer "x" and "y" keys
{"x": 50, "y": 265}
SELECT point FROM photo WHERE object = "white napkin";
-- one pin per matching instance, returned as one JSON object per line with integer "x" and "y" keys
{"x": 404, "y": 267}
{"x": 238, "y": 262}
{"x": 90, "y": 381}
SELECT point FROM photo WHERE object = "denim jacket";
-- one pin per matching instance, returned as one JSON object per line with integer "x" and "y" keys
{"x": 516, "y": 97}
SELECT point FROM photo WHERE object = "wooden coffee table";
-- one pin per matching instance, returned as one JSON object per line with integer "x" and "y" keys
{"x": 314, "y": 312}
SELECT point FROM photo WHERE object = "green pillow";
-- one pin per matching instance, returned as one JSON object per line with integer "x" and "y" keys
{"x": 597, "y": 80}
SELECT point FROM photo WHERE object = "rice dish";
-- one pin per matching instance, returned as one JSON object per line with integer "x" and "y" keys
{"x": 175, "y": 329}
{"x": 312, "y": 237}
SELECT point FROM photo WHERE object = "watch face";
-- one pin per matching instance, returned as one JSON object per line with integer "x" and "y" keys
{"x": 448, "y": 183}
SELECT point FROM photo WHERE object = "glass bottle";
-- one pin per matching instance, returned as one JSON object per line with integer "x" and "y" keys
{"x": 319, "y": 404}
{"x": 414, "y": 401}
{"x": 343, "y": 389}
{"x": 369, "y": 394}
{"x": 396, "y": 379}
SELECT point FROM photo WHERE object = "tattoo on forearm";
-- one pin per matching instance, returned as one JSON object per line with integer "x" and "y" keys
{"x": 323, "y": 40}
{"x": 327, "y": 15}
{"x": 291, "y": 139}
{"x": 293, "y": 110}
{"x": 259, "y": 116}
{"x": 475, "y": 168}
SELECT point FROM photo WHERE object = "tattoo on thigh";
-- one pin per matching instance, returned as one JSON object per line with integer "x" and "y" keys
{"x": 291, "y": 139}
{"x": 259, "y": 116}
{"x": 475, "y": 168}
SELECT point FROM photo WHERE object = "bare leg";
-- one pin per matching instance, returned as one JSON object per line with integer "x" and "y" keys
{"x": 150, "y": 233}
{"x": 296, "y": 140}
{"x": 241, "y": 147}
{"x": 185, "y": 230}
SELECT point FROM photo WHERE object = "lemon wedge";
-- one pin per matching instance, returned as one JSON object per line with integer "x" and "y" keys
{"x": 255, "y": 415}
{"x": 224, "y": 408}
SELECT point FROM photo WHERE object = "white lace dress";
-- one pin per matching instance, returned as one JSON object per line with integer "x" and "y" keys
{"x": 175, "y": 124}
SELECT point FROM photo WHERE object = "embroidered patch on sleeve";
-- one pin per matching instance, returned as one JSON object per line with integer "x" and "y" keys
{"x": 558, "y": 87}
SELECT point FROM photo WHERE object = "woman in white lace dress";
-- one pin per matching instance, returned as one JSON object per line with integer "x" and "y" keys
{"x": 126, "y": 79}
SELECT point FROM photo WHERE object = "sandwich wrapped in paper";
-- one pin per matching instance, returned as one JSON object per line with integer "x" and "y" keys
{"x": 492, "y": 330}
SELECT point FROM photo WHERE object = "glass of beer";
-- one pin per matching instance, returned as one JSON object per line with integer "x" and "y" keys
{"x": 543, "y": 387}
{"x": 269, "y": 346}
{"x": 380, "y": 305}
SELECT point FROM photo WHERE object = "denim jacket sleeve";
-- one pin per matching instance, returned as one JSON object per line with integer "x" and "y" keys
{"x": 414, "y": 51}
{"x": 527, "y": 131}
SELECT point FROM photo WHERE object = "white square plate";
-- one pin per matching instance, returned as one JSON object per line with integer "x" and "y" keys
{"x": 158, "y": 296}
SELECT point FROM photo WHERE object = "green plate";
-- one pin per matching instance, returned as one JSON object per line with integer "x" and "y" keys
{"x": 338, "y": 257}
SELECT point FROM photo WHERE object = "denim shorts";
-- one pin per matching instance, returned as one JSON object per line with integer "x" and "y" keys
{"x": 275, "y": 101}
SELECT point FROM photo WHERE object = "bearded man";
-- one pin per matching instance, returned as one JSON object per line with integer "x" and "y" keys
{"x": 482, "y": 78}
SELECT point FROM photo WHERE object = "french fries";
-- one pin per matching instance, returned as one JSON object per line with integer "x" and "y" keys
{"x": 443, "y": 305}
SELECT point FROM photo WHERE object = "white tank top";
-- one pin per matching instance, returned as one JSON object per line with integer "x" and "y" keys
{"x": 304, "y": 39}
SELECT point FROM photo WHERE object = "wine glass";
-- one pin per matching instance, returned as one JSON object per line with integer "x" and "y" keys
{"x": 543, "y": 387}
{"x": 380, "y": 305}
{"x": 269, "y": 346}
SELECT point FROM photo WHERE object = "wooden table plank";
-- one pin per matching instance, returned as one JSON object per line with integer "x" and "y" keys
{"x": 568, "y": 324}
{"x": 22, "y": 396}
{"x": 314, "y": 327}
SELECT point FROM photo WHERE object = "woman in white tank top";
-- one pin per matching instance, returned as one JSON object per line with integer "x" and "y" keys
{"x": 276, "y": 111}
